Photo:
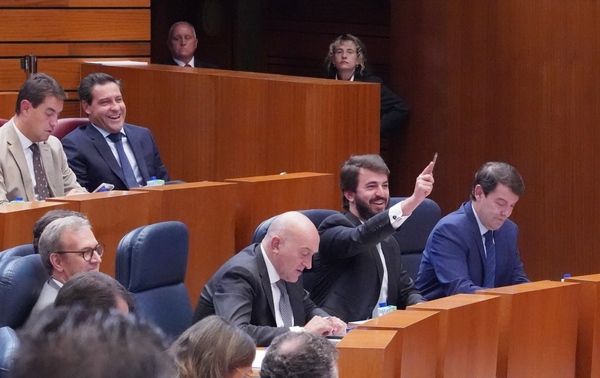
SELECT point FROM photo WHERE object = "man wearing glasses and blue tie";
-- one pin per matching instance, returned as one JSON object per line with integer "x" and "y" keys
{"x": 67, "y": 246}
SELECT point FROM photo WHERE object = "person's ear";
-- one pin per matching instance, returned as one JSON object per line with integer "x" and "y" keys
{"x": 56, "y": 262}
{"x": 349, "y": 195}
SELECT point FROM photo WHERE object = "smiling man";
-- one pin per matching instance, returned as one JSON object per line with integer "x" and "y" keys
{"x": 359, "y": 263}
{"x": 33, "y": 165}
{"x": 259, "y": 291}
{"x": 476, "y": 246}
{"x": 108, "y": 150}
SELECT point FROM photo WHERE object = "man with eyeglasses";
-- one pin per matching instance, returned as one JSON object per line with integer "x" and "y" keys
{"x": 67, "y": 246}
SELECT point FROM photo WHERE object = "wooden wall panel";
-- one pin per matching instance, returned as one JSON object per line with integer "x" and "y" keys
{"x": 63, "y": 33}
{"x": 515, "y": 81}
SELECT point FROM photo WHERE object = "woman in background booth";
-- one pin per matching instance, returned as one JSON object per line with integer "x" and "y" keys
{"x": 347, "y": 60}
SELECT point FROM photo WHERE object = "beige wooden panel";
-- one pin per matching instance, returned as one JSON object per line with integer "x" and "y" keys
{"x": 75, "y": 25}
{"x": 75, "y": 3}
{"x": 88, "y": 49}
{"x": 65, "y": 70}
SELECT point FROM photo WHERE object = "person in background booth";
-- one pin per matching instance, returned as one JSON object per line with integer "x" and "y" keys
{"x": 347, "y": 60}
{"x": 182, "y": 44}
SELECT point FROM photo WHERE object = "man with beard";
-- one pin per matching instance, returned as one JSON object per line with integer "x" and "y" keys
{"x": 358, "y": 265}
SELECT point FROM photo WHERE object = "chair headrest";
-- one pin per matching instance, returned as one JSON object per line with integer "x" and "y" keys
{"x": 21, "y": 281}
{"x": 412, "y": 235}
{"x": 153, "y": 256}
{"x": 316, "y": 216}
{"x": 9, "y": 343}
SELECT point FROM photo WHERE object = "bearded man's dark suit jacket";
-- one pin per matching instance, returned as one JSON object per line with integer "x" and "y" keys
{"x": 454, "y": 255}
{"x": 93, "y": 162}
{"x": 348, "y": 271}
{"x": 240, "y": 292}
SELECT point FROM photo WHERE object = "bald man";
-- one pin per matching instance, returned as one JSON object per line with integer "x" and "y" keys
{"x": 250, "y": 288}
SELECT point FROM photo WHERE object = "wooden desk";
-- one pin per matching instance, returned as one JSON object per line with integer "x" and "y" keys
{"x": 216, "y": 124}
{"x": 369, "y": 353}
{"x": 208, "y": 209}
{"x": 416, "y": 346}
{"x": 112, "y": 215}
{"x": 588, "y": 335}
{"x": 538, "y": 329}
{"x": 261, "y": 197}
{"x": 468, "y": 342}
{"x": 17, "y": 220}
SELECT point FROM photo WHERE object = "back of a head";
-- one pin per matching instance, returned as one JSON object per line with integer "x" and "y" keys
{"x": 76, "y": 342}
{"x": 46, "y": 219}
{"x": 300, "y": 355}
{"x": 94, "y": 291}
{"x": 212, "y": 348}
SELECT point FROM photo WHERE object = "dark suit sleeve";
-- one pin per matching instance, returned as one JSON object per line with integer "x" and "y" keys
{"x": 518, "y": 272}
{"x": 157, "y": 163}
{"x": 448, "y": 255}
{"x": 233, "y": 299}
{"x": 76, "y": 160}
{"x": 340, "y": 239}
{"x": 393, "y": 111}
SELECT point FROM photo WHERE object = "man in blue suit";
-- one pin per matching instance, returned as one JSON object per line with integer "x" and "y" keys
{"x": 108, "y": 150}
{"x": 476, "y": 246}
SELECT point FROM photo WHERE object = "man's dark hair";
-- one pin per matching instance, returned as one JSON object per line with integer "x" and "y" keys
{"x": 493, "y": 173}
{"x": 45, "y": 220}
{"x": 93, "y": 290}
{"x": 300, "y": 355}
{"x": 36, "y": 88}
{"x": 87, "y": 84}
{"x": 76, "y": 342}
{"x": 351, "y": 168}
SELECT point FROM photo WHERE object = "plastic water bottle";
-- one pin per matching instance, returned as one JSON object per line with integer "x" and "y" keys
{"x": 155, "y": 182}
{"x": 565, "y": 276}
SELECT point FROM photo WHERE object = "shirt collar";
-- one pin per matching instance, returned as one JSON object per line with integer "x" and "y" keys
{"x": 181, "y": 63}
{"x": 104, "y": 132}
{"x": 25, "y": 142}
{"x": 273, "y": 275}
{"x": 482, "y": 228}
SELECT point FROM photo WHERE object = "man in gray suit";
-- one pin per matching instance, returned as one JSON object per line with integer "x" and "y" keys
{"x": 67, "y": 246}
{"x": 33, "y": 165}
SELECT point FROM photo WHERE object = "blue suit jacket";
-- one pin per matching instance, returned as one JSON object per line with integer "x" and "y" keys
{"x": 453, "y": 257}
{"x": 92, "y": 160}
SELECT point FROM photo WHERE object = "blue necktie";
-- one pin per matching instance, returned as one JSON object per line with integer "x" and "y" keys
{"x": 489, "y": 273}
{"x": 128, "y": 174}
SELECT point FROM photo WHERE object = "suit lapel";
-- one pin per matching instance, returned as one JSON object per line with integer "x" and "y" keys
{"x": 264, "y": 279}
{"x": 296, "y": 294}
{"x": 16, "y": 150}
{"x": 374, "y": 253}
{"x": 104, "y": 150}
{"x": 474, "y": 231}
{"x": 134, "y": 143}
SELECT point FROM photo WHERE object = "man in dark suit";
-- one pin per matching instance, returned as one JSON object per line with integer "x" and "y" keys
{"x": 258, "y": 288}
{"x": 183, "y": 43}
{"x": 108, "y": 150}
{"x": 476, "y": 246}
{"x": 359, "y": 263}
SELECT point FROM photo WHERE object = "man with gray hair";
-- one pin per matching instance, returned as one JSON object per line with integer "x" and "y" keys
{"x": 182, "y": 44}
{"x": 300, "y": 355}
{"x": 67, "y": 246}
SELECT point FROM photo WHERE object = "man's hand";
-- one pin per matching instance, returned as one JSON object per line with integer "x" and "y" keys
{"x": 338, "y": 326}
{"x": 423, "y": 188}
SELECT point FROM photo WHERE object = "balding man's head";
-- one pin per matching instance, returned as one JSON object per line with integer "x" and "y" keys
{"x": 290, "y": 243}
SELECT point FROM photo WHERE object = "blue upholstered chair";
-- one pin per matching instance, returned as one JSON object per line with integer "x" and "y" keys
{"x": 412, "y": 235}
{"x": 151, "y": 262}
{"x": 8, "y": 346}
{"x": 315, "y": 215}
{"x": 21, "y": 281}
{"x": 19, "y": 250}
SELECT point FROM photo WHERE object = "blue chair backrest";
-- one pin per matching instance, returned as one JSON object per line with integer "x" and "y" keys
{"x": 8, "y": 346}
{"x": 315, "y": 215}
{"x": 412, "y": 235}
{"x": 20, "y": 250}
{"x": 151, "y": 263}
{"x": 21, "y": 281}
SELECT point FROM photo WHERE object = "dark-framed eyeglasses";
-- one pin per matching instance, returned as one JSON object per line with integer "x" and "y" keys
{"x": 87, "y": 253}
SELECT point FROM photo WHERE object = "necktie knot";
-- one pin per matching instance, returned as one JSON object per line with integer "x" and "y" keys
{"x": 34, "y": 147}
{"x": 115, "y": 137}
{"x": 489, "y": 237}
